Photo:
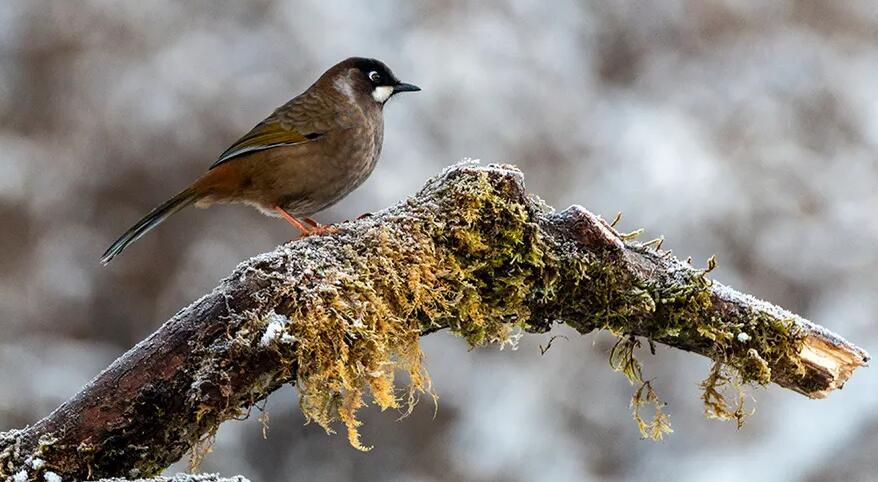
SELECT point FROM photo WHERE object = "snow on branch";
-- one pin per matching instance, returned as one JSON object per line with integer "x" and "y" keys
{"x": 340, "y": 314}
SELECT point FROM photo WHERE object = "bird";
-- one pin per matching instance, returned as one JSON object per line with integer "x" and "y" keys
{"x": 306, "y": 156}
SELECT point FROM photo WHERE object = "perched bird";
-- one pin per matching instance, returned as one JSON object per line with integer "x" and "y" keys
{"x": 306, "y": 156}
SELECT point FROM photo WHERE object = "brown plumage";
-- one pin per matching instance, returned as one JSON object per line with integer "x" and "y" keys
{"x": 306, "y": 156}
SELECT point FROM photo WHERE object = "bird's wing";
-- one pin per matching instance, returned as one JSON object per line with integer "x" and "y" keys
{"x": 268, "y": 134}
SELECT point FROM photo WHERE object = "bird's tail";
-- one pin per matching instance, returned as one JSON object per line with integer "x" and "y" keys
{"x": 151, "y": 220}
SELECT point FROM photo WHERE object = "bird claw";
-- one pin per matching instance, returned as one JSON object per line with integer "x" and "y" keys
{"x": 310, "y": 226}
{"x": 319, "y": 229}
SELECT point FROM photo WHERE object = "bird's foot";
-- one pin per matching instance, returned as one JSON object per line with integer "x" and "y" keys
{"x": 311, "y": 222}
{"x": 317, "y": 229}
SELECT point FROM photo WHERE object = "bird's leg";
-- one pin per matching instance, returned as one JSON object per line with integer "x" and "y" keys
{"x": 292, "y": 220}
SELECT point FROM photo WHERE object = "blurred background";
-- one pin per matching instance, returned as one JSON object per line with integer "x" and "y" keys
{"x": 743, "y": 128}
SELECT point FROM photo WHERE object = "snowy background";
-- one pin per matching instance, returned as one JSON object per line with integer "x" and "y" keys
{"x": 743, "y": 128}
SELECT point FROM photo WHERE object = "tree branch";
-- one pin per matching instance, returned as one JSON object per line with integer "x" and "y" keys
{"x": 338, "y": 314}
{"x": 184, "y": 478}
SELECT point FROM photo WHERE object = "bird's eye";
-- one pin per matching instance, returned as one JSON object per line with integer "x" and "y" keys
{"x": 374, "y": 76}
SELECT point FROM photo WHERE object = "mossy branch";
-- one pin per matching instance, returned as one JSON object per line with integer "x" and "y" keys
{"x": 340, "y": 314}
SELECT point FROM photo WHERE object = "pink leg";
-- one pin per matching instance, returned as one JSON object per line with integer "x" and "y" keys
{"x": 292, "y": 220}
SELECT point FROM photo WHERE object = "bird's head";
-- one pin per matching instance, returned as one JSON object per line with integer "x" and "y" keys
{"x": 362, "y": 79}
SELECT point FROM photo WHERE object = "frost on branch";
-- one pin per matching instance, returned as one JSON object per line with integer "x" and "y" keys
{"x": 184, "y": 478}
{"x": 341, "y": 314}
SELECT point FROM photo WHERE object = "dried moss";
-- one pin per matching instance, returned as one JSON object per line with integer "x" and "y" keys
{"x": 472, "y": 274}
{"x": 622, "y": 359}
{"x": 718, "y": 404}
{"x": 484, "y": 272}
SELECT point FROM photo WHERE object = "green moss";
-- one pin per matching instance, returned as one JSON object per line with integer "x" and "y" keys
{"x": 481, "y": 274}
{"x": 683, "y": 317}
{"x": 474, "y": 274}
{"x": 469, "y": 256}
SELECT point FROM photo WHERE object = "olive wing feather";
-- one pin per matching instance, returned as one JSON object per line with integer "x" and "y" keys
{"x": 266, "y": 135}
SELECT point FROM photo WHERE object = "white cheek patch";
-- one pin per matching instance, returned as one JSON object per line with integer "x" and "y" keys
{"x": 344, "y": 86}
{"x": 382, "y": 93}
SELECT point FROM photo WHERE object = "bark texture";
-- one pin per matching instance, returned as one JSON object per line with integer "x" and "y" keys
{"x": 339, "y": 313}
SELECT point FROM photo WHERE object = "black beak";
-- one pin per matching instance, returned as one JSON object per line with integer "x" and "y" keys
{"x": 403, "y": 87}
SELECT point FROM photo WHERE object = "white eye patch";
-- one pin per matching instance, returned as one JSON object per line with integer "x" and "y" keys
{"x": 382, "y": 93}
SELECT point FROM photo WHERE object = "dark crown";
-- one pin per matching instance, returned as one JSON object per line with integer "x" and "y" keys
{"x": 383, "y": 75}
